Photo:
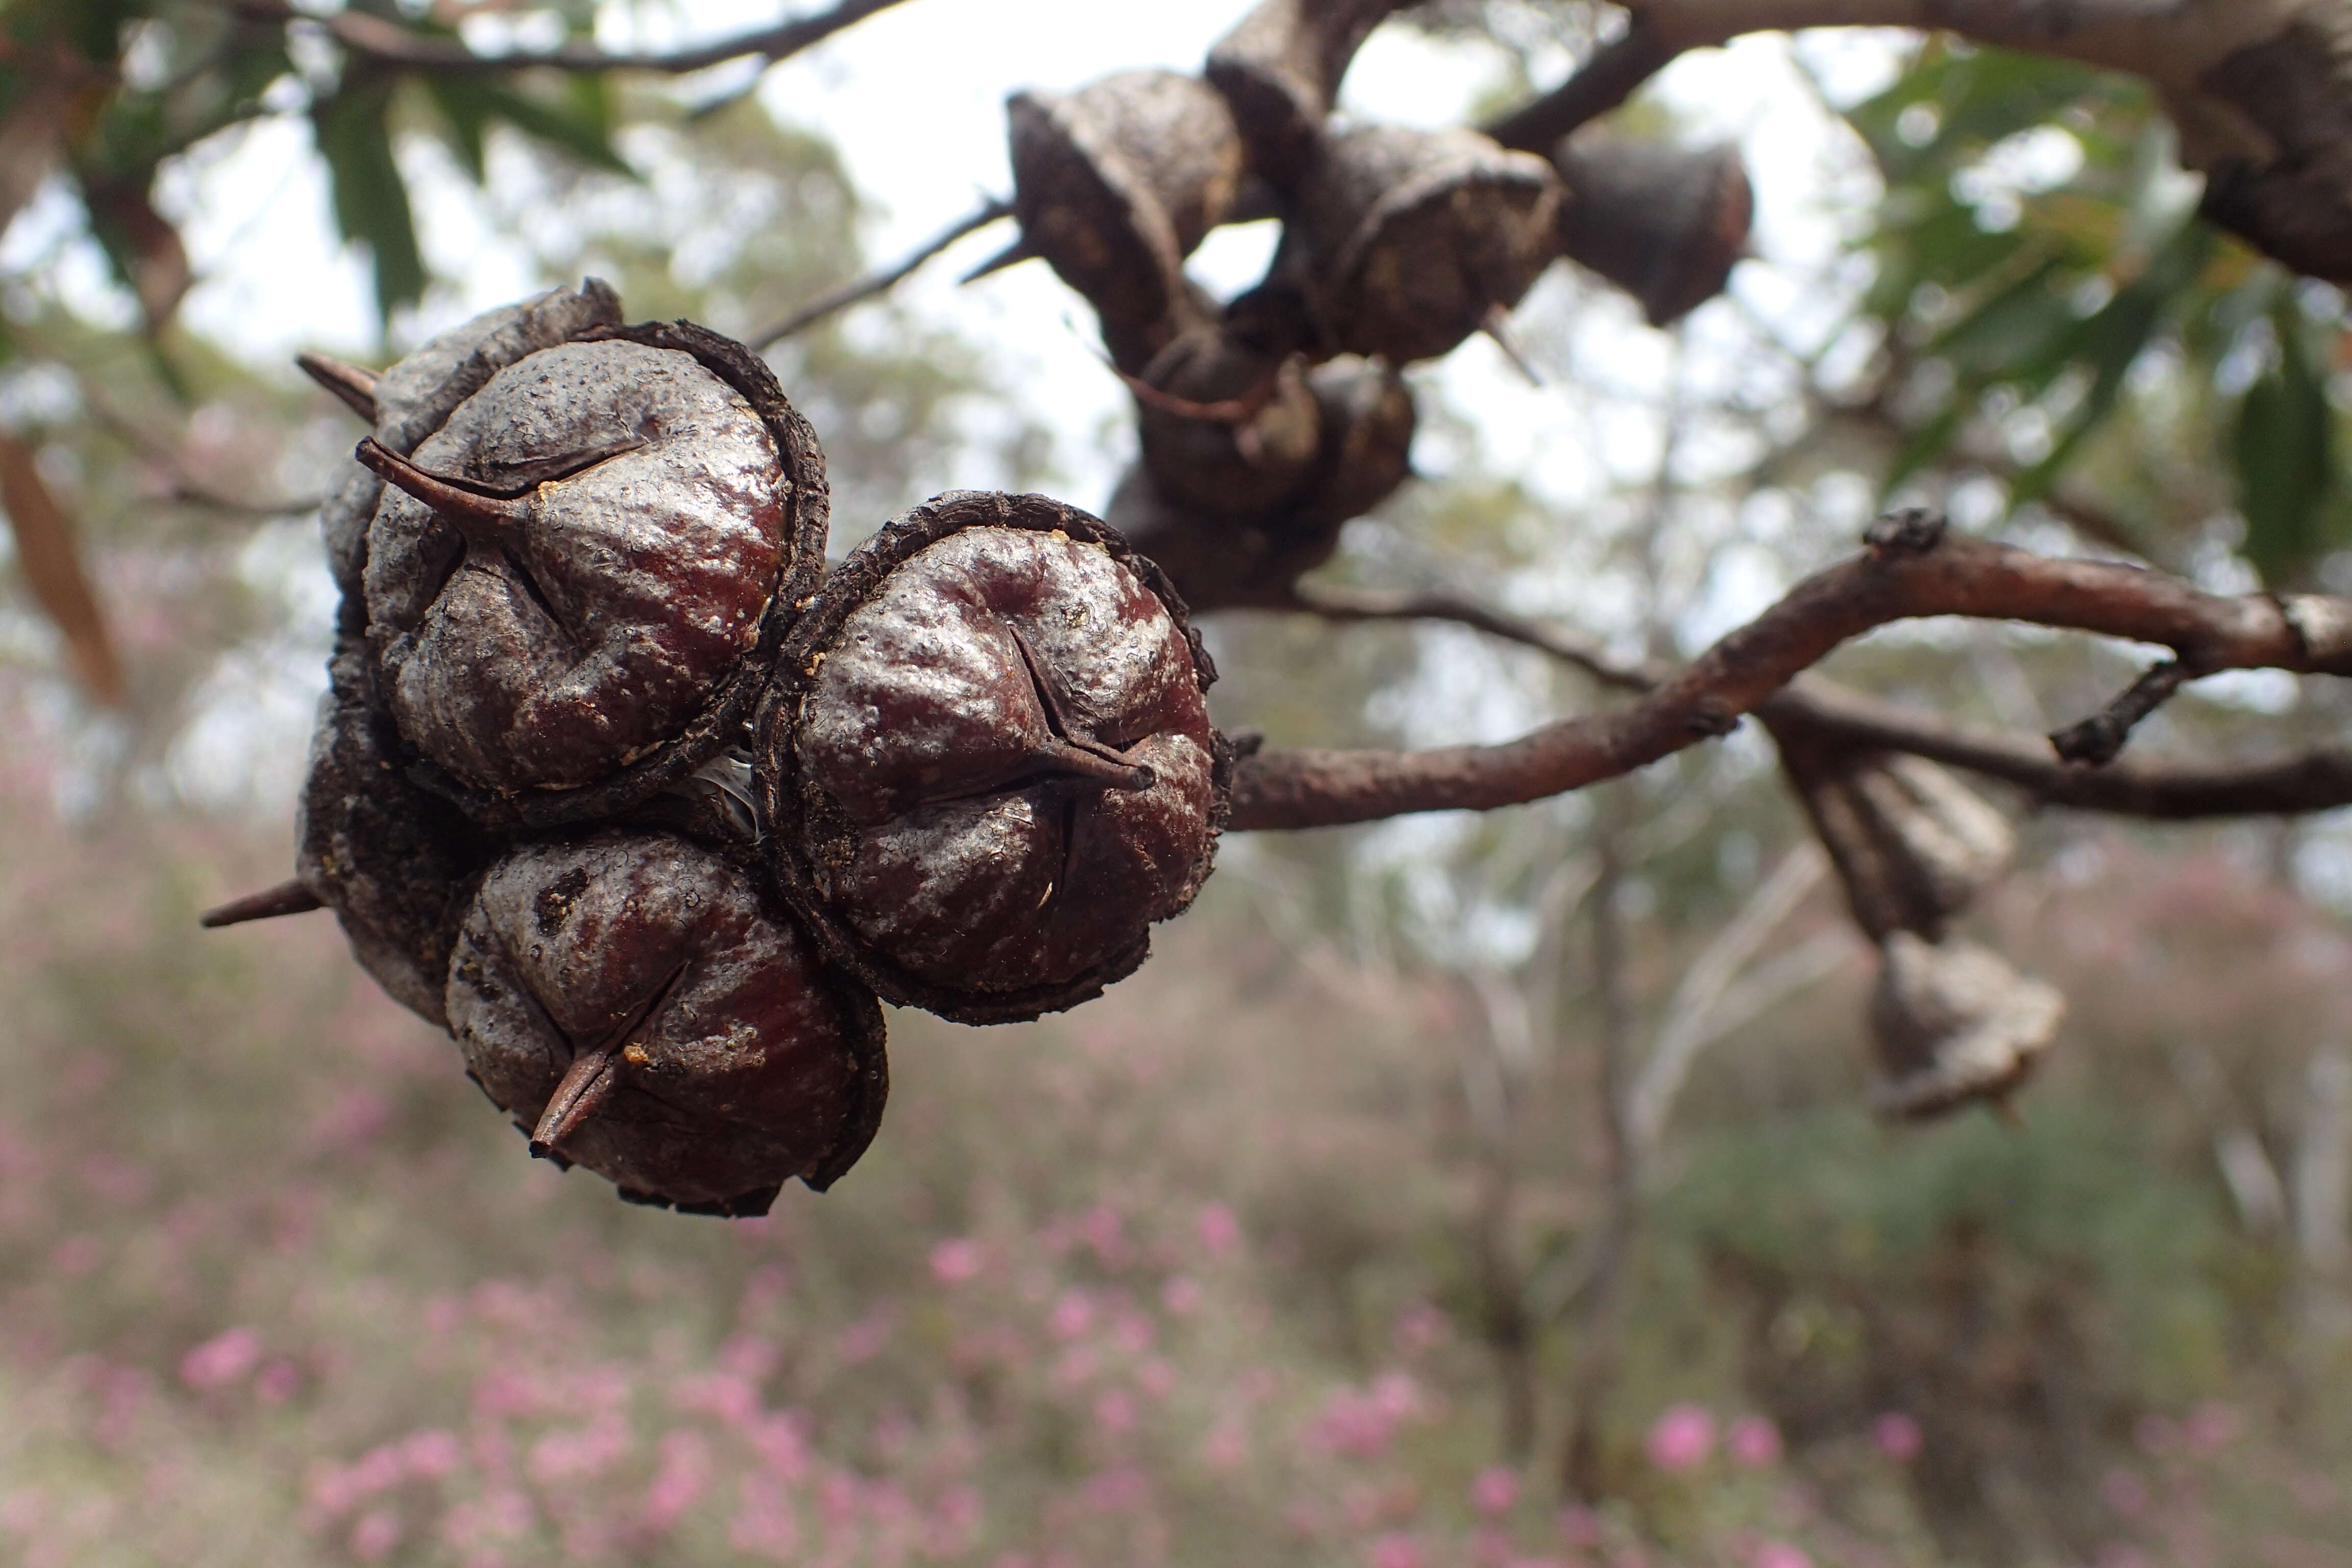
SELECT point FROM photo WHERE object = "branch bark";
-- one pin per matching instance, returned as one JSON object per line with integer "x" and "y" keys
{"x": 389, "y": 43}
{"x": 2260, "y": 89}
{"x": 1910, "y": 569}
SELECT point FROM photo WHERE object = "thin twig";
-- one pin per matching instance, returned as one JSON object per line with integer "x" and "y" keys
{"x": 387, "y": 43}
{"x": 1600, "y": 85}
{"x": 882, "y": 282}
{"x": 1911, "y": 569}
{"x": 2098, "y": 739}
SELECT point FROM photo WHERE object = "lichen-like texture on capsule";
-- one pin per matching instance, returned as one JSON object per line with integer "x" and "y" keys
{"x": 1951, "y": 1022}
{"x": 630, "y": 1000}
{"x": 1413, "y": 238}
{"x": 987, "y": 765}
{"x": 395, "y": 863}
{"x": 575, "y": 585}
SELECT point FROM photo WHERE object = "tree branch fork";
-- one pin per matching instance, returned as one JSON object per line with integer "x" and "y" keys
{"x": 1912, "y": 566}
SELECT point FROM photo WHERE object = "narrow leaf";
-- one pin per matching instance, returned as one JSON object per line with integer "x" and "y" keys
{"x": 2286, "y": 458}
{"x": 50, "y": 561}
{"x": 371, "y": 198}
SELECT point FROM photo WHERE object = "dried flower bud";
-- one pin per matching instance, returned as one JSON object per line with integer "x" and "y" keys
{"x": 577, "y": 586}
{"x": 1115, "y": 184}
{"x": 395, "y": 864}
{"x": 1412, "y": 239}
{"x": 1280, "y": 68}
{"x": 1664, "y": 223}
{"x": 631, "y": 1001}
{"x": 1218, "y": 561}
{"x": 1911, "y": 844}
{"x": 986, "y": 767}
{"x": 1952, "y": 1023}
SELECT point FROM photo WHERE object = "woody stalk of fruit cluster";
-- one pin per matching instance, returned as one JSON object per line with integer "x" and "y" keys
{"x": 619, "y": 784}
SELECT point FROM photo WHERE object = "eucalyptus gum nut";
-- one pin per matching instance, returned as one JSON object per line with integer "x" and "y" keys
{"x": 343, "y": 519}
{"x": 987, "y": 767}
{"x": 395, "y": 863}
{"x": 1260, "y": 441}
{"x": 1952, "y": 1023}
{"x": 1220, "y": 562}
{"x": 637, "y": 1008}
{"x": 575, "y": 585}
{"x": 1913, "y": 846}
{"x": 1412, "y": 237}
{"x": 1280, "y": 68}
{"x": 416, "y": 397}
{"x": 1114, "y": 186}
{"x": 1666, "y": 224}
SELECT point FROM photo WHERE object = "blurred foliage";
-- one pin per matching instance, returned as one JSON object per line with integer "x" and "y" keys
{"x": 2036, "y": 247}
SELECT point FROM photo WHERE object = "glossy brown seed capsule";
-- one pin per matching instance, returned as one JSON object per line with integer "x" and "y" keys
{"x": 1412, "y": 238}
{"x": 1666, "y": 224}
{"x": 1952, "y": 1023}
{"x": 1220, "y": 562}
{"x": 986, "y": 767}
{"x": 1913, "y": 845}
{"x": 416, "y": 397}
{"x": 631, "y": 1001}
{"x": 576, "y": 584}
{"x": 1228, "y": 422}
{"x": 1280, "y": 68}
{"x": 1115, "y": 184}
{"x": 395, "y": 863}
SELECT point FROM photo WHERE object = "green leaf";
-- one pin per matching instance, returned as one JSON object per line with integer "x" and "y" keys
{"x": 580, "y": 121}
{"x": 2287, "y": 459}
{"x": 371, "y": 198}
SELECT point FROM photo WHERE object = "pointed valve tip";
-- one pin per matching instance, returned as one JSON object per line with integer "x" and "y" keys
{"x": 1497, "y": 326}
{"x": 584, "y": 1087}
{"x": 1013, "y": 254}
{"x": 286, "y": 898}
{"x": 480, "y": 512}
{"x": 354, "y": 386}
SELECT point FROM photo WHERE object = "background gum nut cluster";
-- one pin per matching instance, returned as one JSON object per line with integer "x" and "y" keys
{"x": 617, "y": 784}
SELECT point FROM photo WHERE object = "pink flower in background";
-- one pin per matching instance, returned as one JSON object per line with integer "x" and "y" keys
{"x": 1073, "y": 1315}
{"x": 1219, "y": 1232}
{"x": 223, "y": 1359}
{"x": 1579, "y": 1526}
{"x": 1156, "y": 1378}
{"x": 2212, "y": 1425}
{"x": 1780, "y": 1554}
{"x": 1897, "y": 1436}
{"x": 1682, "y": 1438}
{"x": 278, "y": 1382}
{"x": 1181, "y": 1296}
{"x": 863, "y": 1339}
{"x": 1114, "y": 1411}
{"x": 1495, "y": 1490}
{"x": 1753, "y": 1441}
{"x": 1420, "y": 1327}
{"x": 1397, "y": 1551}
{"x": 1133, "y": 1332}
{"x": 374, "y": 1536}
{"x": 1106, "y": 1232}
{"x": 431, "y": 1454}
{"x": 2125, "y": 1491}
{"x": 765, "y": 1524}
{"x": 955, "y": 1261}
{"x": 1227, "y": 1444}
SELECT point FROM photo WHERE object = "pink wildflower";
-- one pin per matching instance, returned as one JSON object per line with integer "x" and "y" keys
{"x": 1897, "y": 1436}
{"x": 1181, "y": 1296}
{"x": 431, "y": 1454}
{"x": 223, "y": 1359}
{"x": 955, "y": 1261}
{"x": 374, "y": 1536}
{"x": 1780, "y": 1554}
{"x": 278, "y": 1382}
{"x": 1396, "y": 1551}
{"x": 684, "y": 1469}
{"x": 2127, "y": 1492}
{"x": 1579, "y": 1526}
{"x": 1682, "y": 1438}
{"x": 1219, "y": 1232}
{"x": 1074, "y": 1314}
{"x": 1156, "y": 1378}
{"x": 1495, "y": 1490}
{"x": 1754, "y": 1442}
{"x": 1114, "y": 1411}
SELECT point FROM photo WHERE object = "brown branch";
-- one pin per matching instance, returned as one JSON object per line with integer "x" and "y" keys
{"x": 2098, "y": 739}
{"x": 882, "y": 282}
{"x": 1600, "y": 85}
{"x": 388, "y": 44}
{"x": 1910, "y": 569}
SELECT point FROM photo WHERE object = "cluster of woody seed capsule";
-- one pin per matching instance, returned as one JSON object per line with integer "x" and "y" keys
{"x": 617, "y": 784}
